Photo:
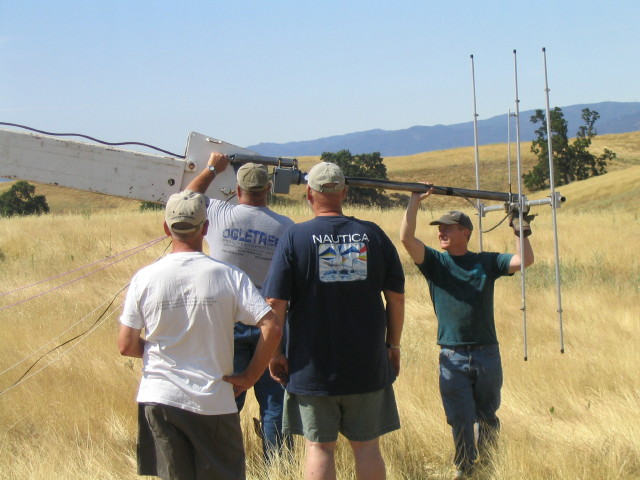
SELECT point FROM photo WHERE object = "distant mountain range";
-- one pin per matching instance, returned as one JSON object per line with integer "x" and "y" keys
{"x": 615, "y": 117}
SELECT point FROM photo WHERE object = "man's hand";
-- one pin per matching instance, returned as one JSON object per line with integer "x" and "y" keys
{"x": 394, "y": 358}
{"x": 514, "y": 222}
{"x": 240, "y": 382}
{"x": 279, "y": 369}
{"x": 219, "y": 161}
{"x": 420, "y": 196}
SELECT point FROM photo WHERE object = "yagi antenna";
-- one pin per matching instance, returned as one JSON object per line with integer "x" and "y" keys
{"x": 554, "y": 204}
{"x": 477, "y": 154}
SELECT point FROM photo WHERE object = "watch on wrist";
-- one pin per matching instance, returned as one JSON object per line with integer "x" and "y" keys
{"x": 212, "y": 169}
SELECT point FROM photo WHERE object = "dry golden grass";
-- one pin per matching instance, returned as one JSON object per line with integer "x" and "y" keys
{"x": 565, "y": 416}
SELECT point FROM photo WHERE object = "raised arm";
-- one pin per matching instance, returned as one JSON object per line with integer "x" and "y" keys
{"x": 516, "y": 260}
{"x": 414, "y": 247}
{"x": 203, "y": 180}
{"x": 526, "y": 255}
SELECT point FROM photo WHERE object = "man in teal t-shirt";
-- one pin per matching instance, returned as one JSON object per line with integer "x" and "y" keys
{"x": 461, "y": 285}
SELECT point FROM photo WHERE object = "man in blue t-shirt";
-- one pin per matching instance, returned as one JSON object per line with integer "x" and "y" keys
{"x": 343, "y": 349}
{"x": 461, "y": 288}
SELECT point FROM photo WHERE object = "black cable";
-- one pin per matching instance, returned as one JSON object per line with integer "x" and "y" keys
{"x": 476, "y": 207}
{"x": 65, "y": 342}
{"x": 93, "y": 139}
{"x": 77, "y": 336}
{"x": 497, "y": 224}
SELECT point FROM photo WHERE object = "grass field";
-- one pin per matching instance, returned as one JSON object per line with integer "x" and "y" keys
{"x": 564, "y": 416}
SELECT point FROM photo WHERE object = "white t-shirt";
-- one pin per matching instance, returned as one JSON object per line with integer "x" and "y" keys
{"x": 245, "y": 236}
{"x": 187, "y": 303}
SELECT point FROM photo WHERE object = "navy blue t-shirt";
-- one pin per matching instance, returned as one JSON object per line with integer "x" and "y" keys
{"x": 332, "y": 270}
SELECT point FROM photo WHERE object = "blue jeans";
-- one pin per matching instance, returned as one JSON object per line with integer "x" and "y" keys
{"x": 470, "y": 383}
{"x": 268, "y": 392}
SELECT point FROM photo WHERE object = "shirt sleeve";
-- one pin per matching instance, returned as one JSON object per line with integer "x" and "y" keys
{"x": 502, "y": 261}
{"x": 131, "y": 315}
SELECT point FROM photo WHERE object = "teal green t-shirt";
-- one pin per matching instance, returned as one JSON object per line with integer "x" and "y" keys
{"x": 461, "y": 289}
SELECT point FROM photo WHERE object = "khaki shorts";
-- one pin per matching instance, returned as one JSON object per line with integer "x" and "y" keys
{"x": 359, "y": 417}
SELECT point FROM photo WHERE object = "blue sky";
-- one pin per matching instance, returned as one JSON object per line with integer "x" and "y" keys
{"x": 278, "y": 71}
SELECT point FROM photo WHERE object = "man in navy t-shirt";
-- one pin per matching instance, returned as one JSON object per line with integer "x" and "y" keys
{"x": 344, "y": 284}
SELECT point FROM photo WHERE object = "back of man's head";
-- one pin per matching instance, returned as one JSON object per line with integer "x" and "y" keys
{"x": 326, "y": 177}
{"x": 186, "y": 212}
{"x": 253, "y": 177}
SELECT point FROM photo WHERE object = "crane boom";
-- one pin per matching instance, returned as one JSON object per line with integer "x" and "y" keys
{"x": 113, "y": 171}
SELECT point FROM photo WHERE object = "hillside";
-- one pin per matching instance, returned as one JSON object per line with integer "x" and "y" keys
{"x": 615, "y": 117}
{"x": 454, "y": 167}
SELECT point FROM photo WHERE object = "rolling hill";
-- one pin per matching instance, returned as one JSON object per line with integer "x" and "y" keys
{"x": 453, "y": 167}
{"x": 615, "y": 117}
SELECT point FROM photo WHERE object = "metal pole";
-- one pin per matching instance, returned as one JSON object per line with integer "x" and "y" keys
{"x": 241, "y": 158}
{"x": 553, "y": 204}
{"x": 520, "y": 209}
{"x": 477, "y": 154}
{"x": 509, "y": 149}
{"x": 437, "y": 190}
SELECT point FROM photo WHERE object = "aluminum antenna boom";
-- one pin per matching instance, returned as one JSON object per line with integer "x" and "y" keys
{"x": 437, "y": 190}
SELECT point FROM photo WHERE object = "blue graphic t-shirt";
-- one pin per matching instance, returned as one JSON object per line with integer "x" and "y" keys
{"x": 332, "y": 270}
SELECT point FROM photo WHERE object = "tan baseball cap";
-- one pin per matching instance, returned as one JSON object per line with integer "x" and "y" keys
{"x": 186, "y": 211}
{"x": 326, "y": 177}
{"x": 253, "y": 177}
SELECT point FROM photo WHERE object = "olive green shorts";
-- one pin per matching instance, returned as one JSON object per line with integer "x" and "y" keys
{"x": 359, "y": 417}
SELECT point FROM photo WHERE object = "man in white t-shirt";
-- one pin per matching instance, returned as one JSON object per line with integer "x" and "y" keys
{"x": 246, "y": 235}
{"x": 187, "y": 304}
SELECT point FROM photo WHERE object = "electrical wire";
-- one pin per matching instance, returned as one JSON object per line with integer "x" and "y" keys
{"x": 92, "y": 139}
{"x": 41, "y": 348}
{"x": 149, "y": 243}
{"x": 477, "y": 208}
{"x": 5, "y": 307}
{"x": 80, "y": 337}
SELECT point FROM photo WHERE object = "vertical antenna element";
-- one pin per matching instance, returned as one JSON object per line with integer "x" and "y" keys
{"x": 509, "y": 115}
{"x": 521, "y": 209}
{"x": 554, "y": 206}
{"x": 477, "y": 155}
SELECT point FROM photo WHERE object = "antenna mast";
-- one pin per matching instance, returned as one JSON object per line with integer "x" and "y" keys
{"x": 521, "y": 208}
{"x": 554, "y": 205}
{"x": 477, "y": 155}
